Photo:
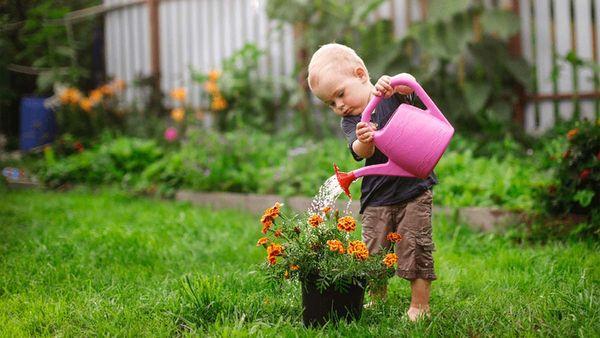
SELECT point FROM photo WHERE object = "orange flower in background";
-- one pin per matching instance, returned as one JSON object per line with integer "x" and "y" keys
{"x": 335, "y": 245}
{"x": 178, "y": 114}
{"x": 107, "y": 90}
{"x": 572, "y": 133}
{"x": 315, "y": 220}
{"x": 211, "y": 87}
{"x": 118, "y": 85}
{"x": 394, "y": 237}
{"x": 86, "y": 104}
{"x": 214, "y": 75}
{"x": 294, "y": 267}
{"x": 358, "y": 249}
{"x": 218, "y": 103}
{"x": 262, "y": 241}
{"x": 96, "y": 95}
{"x": 390, "y": 259}
{"x": 346, "y": 223}
{"x": 178, "y": 94}
{"x": 70, "y": 96}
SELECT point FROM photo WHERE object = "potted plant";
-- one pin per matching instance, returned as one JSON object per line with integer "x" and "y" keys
{"x": 321, "y": 251}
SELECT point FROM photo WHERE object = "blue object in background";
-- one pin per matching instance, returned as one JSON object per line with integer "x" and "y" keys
{"x": 37, "y": 123}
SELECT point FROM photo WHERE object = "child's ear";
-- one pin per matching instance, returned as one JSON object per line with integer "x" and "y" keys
{"x": 361, "y": 73}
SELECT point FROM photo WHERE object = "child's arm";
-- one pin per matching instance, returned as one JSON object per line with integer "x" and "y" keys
{"x": 364, "y": 146}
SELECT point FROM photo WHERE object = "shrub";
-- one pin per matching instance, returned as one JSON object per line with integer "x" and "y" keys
{"x": 576, "y": 183}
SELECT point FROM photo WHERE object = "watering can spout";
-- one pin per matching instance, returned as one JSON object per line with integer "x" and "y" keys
{"x": 344, "y": 179}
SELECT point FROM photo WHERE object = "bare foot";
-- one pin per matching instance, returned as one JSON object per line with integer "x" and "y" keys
{"x": 414, "y": 314}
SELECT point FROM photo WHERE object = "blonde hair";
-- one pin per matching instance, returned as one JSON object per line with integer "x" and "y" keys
{"x": 333, "y": 57}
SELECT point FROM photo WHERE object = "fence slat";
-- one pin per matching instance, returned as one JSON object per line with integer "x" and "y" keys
{"x": 543, "y": 59}
{"x": 583, "y": 46}
{"x": 563, "y": 46}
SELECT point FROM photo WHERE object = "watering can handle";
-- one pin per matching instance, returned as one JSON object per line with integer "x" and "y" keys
{"x": 406, "y": 80}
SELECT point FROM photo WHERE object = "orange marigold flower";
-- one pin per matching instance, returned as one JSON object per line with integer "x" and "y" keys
{"x": 277, "y": 232}
{"x": 326, "y": 210}
{"x": 390, "y": 259}
{"x": 358, "y": 249}
{"x": 178, "y": 114}
{"x": 96, "y": 95}
{"x": 212, "y": 88}
{"x": 294, "y": 267}
{"x": 272, "y": 260}
{"x": 214, "y": 75}
{"x": 266, "y": 222}
{"x": 273, "y": 211}
{"x": 70, "y": 96}
{"x": 178, "y": 94}
{"x": 286, "y": 274}
{"x": 572, "y": 133}
{"x": 86, "y": 104}
{"x": 107, "y": 90}
{"x": 335, "y": 245}
{"x": 118, "y": 85}
{"x": 315, "y": 220}
{"x": 347, "y": 223}
{"x": 394, "y": 237}
{"x": 218, "y": 103}
{"x": 262, "y": 241}
{"x": 274, "y": 249}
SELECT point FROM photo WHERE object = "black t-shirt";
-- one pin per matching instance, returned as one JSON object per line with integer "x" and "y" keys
{"x": 384, "y": 190}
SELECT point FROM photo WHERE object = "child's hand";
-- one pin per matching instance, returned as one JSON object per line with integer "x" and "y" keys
{"x": 364, "y": 131}
{"x": 384, "y": 87}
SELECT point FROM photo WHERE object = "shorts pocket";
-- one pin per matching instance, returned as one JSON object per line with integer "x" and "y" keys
{"x": 425, "y": 243}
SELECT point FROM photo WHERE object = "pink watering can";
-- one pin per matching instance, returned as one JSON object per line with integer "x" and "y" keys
{"x": 413, "y": 139}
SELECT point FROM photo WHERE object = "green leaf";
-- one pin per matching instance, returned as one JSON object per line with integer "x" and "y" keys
{"x": 444, "y": 10}
{"x": 584, "y": 197}
{"x": 501, "y": 22}
{"x": 476, "y": 94}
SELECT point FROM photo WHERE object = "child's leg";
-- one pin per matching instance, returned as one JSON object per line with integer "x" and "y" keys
{"x": 376, "y": 226}
{"x": 419, "y": 303}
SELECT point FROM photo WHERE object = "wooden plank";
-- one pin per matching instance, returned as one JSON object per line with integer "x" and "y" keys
{"x": 562, "y": 22}
{"x": 543, "y": 59}
{"x": 583, "y": 45}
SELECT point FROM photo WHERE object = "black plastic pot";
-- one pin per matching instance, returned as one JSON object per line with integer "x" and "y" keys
{"x": 330, "y": 305}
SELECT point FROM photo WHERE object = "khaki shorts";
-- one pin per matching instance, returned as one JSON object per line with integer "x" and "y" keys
{"x": 410, "y": 219}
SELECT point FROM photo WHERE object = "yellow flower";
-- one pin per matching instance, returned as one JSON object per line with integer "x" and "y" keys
{"x": 178, "y": 114}
{"x": 86, "y": 104}
{"x": 335, "y": 245}
{"x": 315, "y": 220}
{"x": 390, "y": 259}
{"x": 214, "y": 75}
{"x": 347, "y": 223}
{"x": 178, "y": 94}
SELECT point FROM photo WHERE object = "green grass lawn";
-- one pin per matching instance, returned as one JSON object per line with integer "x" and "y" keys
{"x": 103, "y": 263}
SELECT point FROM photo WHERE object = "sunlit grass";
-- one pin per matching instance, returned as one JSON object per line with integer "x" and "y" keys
{"x": 104, "y": 263}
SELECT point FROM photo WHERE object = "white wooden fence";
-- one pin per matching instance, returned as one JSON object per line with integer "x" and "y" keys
{"x": 201, "y": 33}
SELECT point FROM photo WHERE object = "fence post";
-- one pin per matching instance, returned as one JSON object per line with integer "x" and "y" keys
{"x": 514, "y": 46}
{"x": 156, "y": 96}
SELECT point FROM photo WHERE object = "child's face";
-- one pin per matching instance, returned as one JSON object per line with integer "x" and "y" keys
{"x": 345, "y": 95}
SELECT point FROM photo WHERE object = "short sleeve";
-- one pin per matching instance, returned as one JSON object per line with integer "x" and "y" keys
{"x": 348, "y": 125}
